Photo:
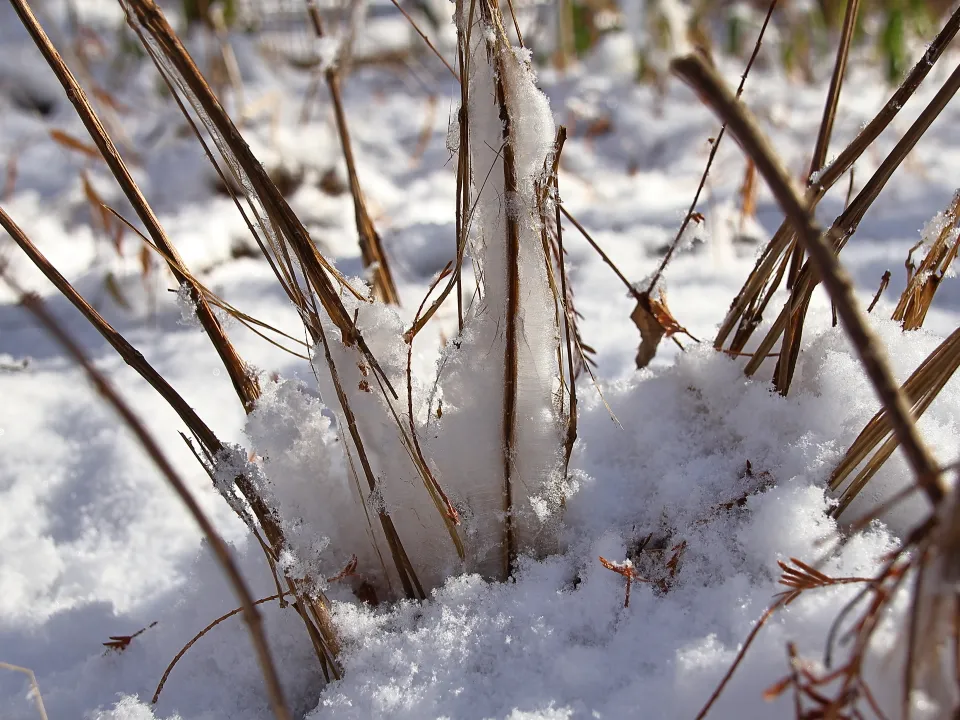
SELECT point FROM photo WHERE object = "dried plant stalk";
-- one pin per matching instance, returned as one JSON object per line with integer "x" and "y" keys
{"x": 798, "y": 210}
{"x": 490, "y": 14}
{"x": 843, "y": 228}
{"x": 220, "y": 550}
{"x": 307, "y": 279}
{"x": 34, "y": 687}
{"x": 877, "y": 442}
{"x": 750, "y": 303}
{"x": 371, "y": 246}
{"x": 923, "y": 281}
{"x": 212, "y": 446}
{"x": 244, "y": 383}
{"x": 829, "y": 112}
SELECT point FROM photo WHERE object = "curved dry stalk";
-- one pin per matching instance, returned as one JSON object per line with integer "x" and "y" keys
{"x": 220, "y": 550}
{"x": 823, "y": 258}
{"x": 195, "y": 638}
{"x": 34, "y": 686}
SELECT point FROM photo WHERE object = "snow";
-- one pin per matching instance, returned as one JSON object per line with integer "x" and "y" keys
{"x": 715, "y": 469}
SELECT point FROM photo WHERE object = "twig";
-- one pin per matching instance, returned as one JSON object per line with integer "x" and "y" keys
{"x": 884, "y": 282}
{"x": 430, "y": 45}
{"x": 603, "y": 256}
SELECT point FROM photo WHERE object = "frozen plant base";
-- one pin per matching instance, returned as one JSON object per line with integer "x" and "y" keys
{"x": 557, "y": 641}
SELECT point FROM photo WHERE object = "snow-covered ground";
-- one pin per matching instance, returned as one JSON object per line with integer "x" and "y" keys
{"x": 93, "y": 544}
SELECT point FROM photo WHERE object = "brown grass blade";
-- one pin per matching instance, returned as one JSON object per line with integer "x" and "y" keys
{"x": 68, "y": 141}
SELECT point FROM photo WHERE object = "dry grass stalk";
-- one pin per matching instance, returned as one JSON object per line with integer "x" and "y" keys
{"x": 751, "y": 302}
{"x": 715, "y": 146}
{"x": 748, "y": 194}
{"x": 923, "y": 281}
{"x": 195, "y": 638}
{"x": 220, "y": 550}
{"x": 425, "y": 39}
{"x": 302, "y": 271}
{"x": 245, "y": 384}
{"x": 571, "y": 330}
{"x": 884, "y": 283}
{"x": 843, "y": 228}
{"x": 34, "y": 687}
{"x": 825, "y": 132}
{"x": 799, "y": 578}
{"x": 307, "y": 280}
{"x": 500, "y": 44}
{"x": 371, "y": 246}
{"x": 628, "y": 571}
{"x": 876, "y": 442}
{"x": 824, "y": 259}
{"x": 212, "y": 446}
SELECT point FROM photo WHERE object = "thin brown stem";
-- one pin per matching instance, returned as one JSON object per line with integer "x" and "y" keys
{"x": 829, "y": 111}
{"x": 423, "y": 36}
{"x": 713, "y": 154}
{"x": 195, "y": 638}
{"x": 220, "y": 550}
{"x": 599, "y": 250}
{"x": 371, "y": 246}
{"x": 746, "y": 307}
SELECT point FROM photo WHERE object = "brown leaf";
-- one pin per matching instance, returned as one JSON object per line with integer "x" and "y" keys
{"x": 651, "y": 331}
{"x": 655, "y": 321}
